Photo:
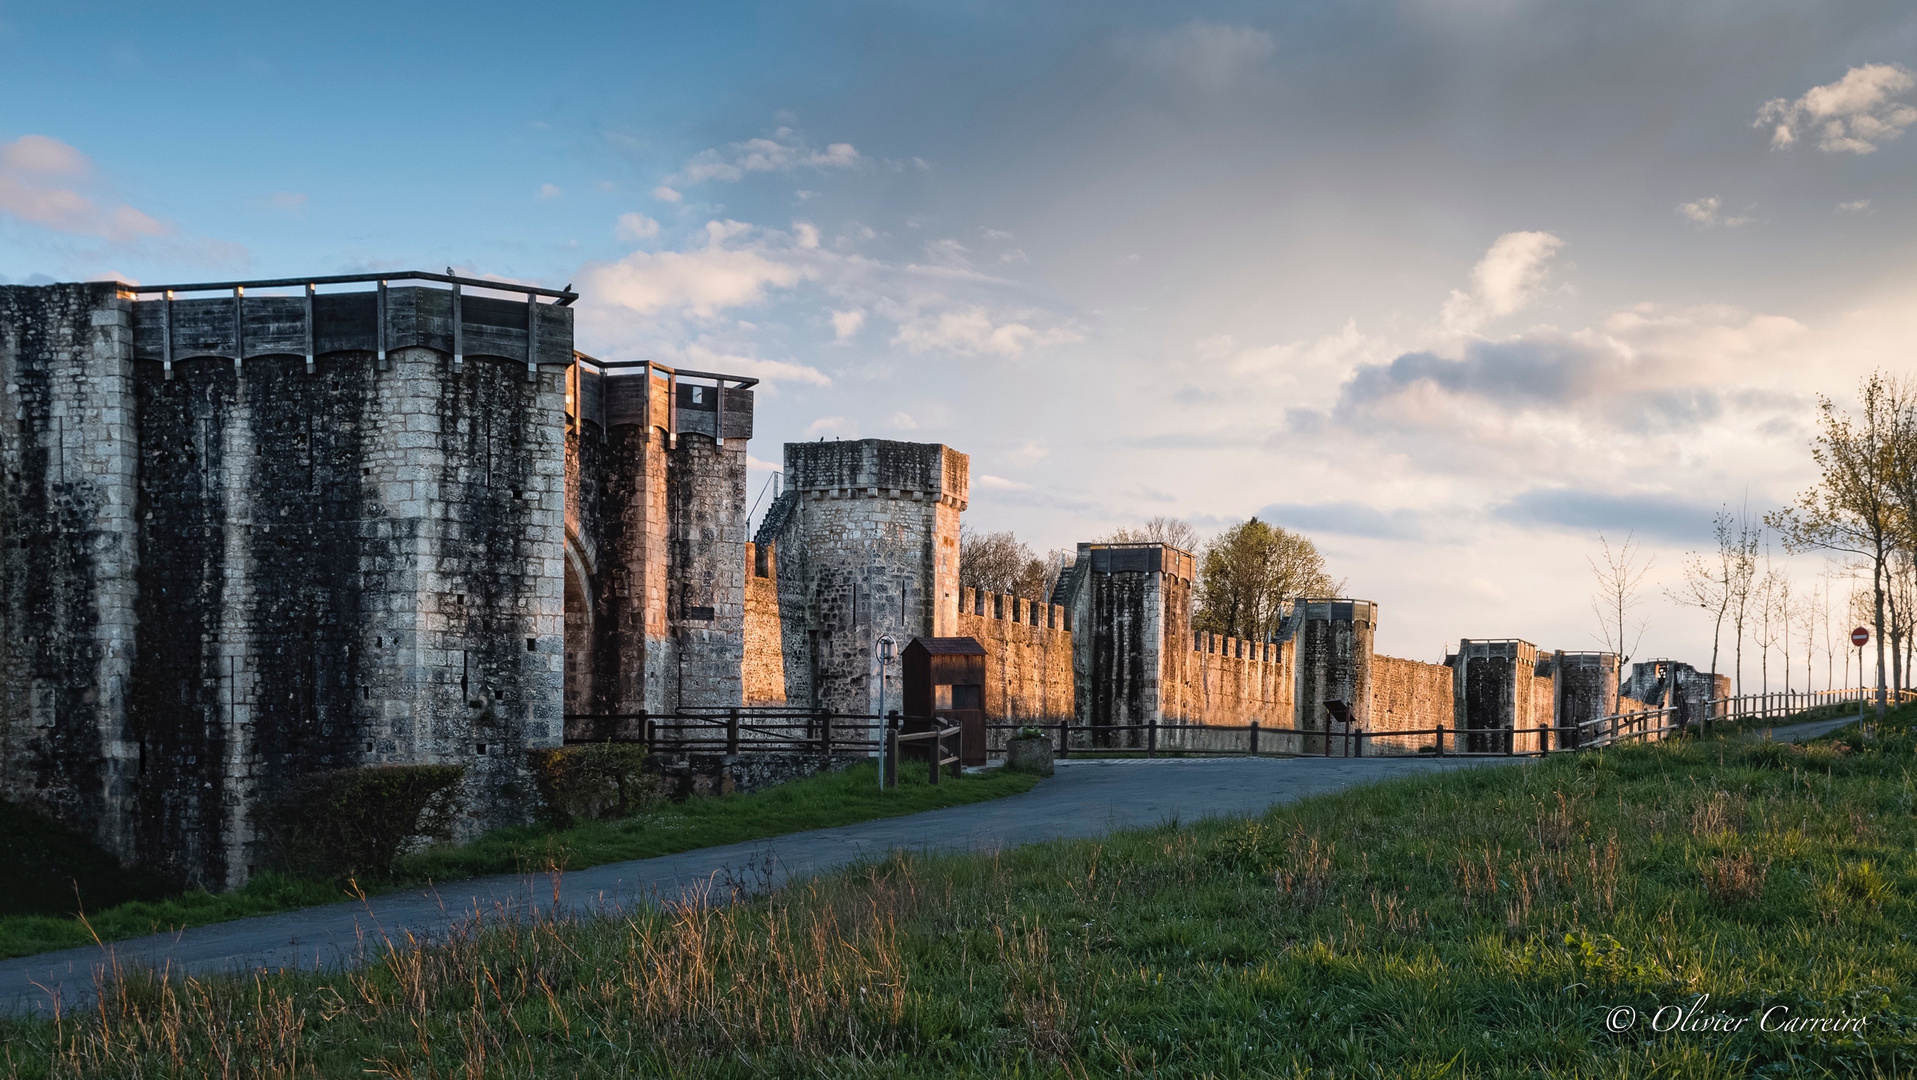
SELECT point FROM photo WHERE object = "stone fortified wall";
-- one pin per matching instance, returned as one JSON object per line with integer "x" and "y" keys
{"x": 255, "y": 538}
{"x": 1028, "y": 654}
{"x": 762, "y": 674}
{"x": 1409, "y": 695}
{"x": 1236, "y": 681}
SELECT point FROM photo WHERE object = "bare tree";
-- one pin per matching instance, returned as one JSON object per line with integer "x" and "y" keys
{"x": 999, "y": 562}
{"x": 1743, "y": 581}
{"x": 1159, "y": 530}
{"x": 1619, "y": 572}
{"x": 1807, "y": 626}
{"x": 1764, "y": 628}
{"x": 1855, "y": 507}
{"x": 1710, "y": 580}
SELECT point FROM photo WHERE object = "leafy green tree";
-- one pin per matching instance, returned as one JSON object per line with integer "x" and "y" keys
{"x": 1855, "y": 509}
{"x": 1250, "y": 573}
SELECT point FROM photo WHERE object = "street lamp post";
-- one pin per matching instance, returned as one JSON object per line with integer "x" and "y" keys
{"x": 885, "y": 658}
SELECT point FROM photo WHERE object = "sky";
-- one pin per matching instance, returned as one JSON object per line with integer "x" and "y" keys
{"x": 1454, "y": 287}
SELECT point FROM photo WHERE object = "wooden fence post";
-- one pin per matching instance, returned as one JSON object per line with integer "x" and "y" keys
{"x": 1151, "y": 738}
{"x": 1441, "y": 740}
{"x": 1254, "y": 738}
{"x": 1064, "y": 737}
{"x": 825, "y": 732}
{"x": 732, "y": 731}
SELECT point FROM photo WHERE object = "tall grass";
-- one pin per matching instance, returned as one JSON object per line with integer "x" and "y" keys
{"x": 1477, "y": 923}
{"x": 840, "y": 797}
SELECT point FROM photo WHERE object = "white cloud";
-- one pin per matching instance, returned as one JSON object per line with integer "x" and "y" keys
{"x": 760, "y": 463}
{"x": 40, "y": 180}
{"x": 973, "y": 331}
{"x": 987, "y": 480}
{"x": 1028, "y": 453}
{"x": 1855, "y": 206}
{"x": 783, "y": 153}
{"x": 706, "y": 358}
{"x": 1854, "y": 115}
{"x": 548, "y": 192}
{"x": 845, "y": 324}
{"x": 635, "y": 226}
{"x": 1014, "y": 255}
{"x": 666, "y": 194}
{"x": 1511, "y": 275}
{"x": 831, "y": 425}
{"x": 807, "y": 234}
{"x": 902, "y": 421}
{"x": 701, "y": 281}
{"x": 1707, "y": 212}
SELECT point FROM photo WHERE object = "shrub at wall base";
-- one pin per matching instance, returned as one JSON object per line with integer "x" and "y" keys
{"x": 355, "y": 822}
{"x": 594, "y": 782}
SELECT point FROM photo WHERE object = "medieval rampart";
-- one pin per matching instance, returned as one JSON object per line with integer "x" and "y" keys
{"x": 1028, "y": 661}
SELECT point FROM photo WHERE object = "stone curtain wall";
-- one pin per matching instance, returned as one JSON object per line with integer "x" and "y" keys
{"x": 277, "y": 572}
{"x": 1028, "y": 656}
{"x": 762, "y": 671}
{"x": 1408, "y": 695}
{"x": 1236, "y": 682}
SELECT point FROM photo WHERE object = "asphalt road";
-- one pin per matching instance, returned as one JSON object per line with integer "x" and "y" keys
{"x": 1085, "y": 798}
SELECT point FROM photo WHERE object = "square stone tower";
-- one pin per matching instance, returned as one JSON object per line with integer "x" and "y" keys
{"x": 1131, "y": 639}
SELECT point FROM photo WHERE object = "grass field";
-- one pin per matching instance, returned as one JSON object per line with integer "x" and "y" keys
{"x": 1478, "y": 923}
{"x": 817, "y": 802}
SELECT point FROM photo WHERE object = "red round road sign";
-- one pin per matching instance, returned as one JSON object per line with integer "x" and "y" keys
{"x": 1860, "y": 637}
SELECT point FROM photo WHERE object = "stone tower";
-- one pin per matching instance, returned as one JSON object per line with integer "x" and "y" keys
{"x": 866, "y": 537}
{"x": 1131, "y": 638}
{"x": 251, "y": 537}
{"x": 655, "y": 521}
{"x": 1584, "y": 688}
{"x": 1492, "y": 692}
{"x": 1332, "y": 662}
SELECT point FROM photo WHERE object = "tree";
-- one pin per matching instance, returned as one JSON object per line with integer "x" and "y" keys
{"x": 1711, "y": 581}
{"x": 1250, "y": 572}
{"x": 1159, "y": 530}
{"x": 1618, "y": 576}
{"x": 999, "y": 562}
{"x": 1764, "y": 632}
{"x": 1855, "y": 508}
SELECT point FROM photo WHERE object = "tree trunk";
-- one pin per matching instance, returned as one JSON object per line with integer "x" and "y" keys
{"x": 1877, "y": 596}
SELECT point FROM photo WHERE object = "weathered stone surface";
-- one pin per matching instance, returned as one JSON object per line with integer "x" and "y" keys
{"x": 867, "y": 539}
{"x": 1029, "y": 755}
{"x": 656, "y": 548}
{"x": 1334, "y": 657}
{"x": 276, "y": 572}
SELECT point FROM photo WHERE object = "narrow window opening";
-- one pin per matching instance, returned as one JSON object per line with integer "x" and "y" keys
{"x": 532, "y": 644}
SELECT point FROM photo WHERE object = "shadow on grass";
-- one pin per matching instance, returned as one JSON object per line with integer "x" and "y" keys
{"x": 842, "y": 797}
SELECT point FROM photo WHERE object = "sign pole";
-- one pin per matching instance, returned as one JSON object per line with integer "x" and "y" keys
{"x": 1860, "y": 637}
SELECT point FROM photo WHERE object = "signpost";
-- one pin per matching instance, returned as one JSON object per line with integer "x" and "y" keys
{"x": 1860, "y": 637}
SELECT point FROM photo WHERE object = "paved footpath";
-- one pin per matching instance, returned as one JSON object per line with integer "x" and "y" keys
{"x": 1085, "y": 798}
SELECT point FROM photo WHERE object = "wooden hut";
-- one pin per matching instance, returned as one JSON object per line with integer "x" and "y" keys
{"x": 945, "y": 679}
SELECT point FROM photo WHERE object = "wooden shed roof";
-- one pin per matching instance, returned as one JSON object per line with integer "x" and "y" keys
{"x": 949, "y": 646}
